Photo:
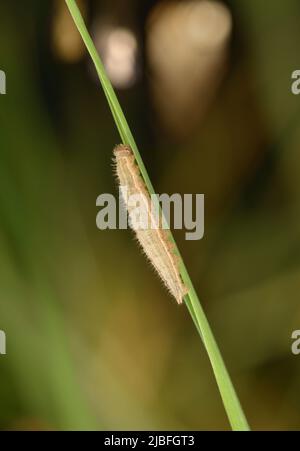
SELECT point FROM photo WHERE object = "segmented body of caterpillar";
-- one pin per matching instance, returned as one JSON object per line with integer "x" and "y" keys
{"x": 153, "y": 240}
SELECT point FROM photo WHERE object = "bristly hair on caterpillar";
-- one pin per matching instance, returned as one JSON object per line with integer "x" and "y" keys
{"x": 154, "y": 241}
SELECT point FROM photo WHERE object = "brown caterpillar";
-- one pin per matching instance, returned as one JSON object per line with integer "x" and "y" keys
{"x": 153, "y": 239}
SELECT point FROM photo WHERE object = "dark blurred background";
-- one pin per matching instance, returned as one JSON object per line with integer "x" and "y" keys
{"x": 93, "y": 339}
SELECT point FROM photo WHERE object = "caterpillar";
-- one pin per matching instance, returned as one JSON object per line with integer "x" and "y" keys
{"x": 153, "y": 239}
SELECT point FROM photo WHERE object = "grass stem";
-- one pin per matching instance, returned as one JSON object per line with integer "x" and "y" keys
{"x": 229, "y": 397}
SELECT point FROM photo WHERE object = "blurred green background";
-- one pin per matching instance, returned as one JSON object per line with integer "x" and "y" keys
{"x": 93, "y": 339}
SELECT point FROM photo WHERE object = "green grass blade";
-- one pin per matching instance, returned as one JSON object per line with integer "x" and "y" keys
{"x": 230, "y": 400}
